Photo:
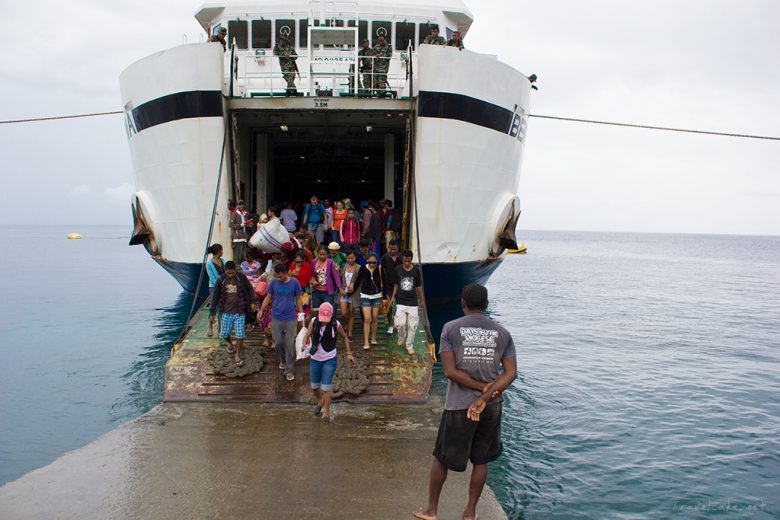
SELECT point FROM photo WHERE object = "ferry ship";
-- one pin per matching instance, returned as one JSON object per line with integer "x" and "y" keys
{"x": 444, "y": 141}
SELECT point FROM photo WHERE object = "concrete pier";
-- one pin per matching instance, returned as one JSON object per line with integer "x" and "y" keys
{"x": 242, "y": 461}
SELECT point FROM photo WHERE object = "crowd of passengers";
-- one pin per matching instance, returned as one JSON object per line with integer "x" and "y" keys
{"x": 338, "y": 257}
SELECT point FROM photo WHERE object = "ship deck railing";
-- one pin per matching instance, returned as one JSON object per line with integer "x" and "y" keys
{"x": 341, "y": 77}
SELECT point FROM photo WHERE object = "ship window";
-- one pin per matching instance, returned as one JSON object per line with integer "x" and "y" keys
{"x": 303, "y": 26}
{"x": 362, "y": 29}
{"x": 382, "y": 29}
{"x": 286, "y": 28}
{"x": 237, "y": 29}
{"x": 333, "y": 23}
{"x": 425, "y": 31}
{"x": 261, "y": 34}
{"x": 404, "y": 34}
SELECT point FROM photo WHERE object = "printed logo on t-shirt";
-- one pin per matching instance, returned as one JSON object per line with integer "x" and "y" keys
{"x": 231, "y": 288}
{"x": 407, "y": 283}
{"x": 479, "y": 345}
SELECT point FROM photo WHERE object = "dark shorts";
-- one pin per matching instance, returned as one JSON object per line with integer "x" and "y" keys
{"x": 460, "y": 439}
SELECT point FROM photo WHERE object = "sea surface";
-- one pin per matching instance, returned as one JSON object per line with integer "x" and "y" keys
{"x": 649, "y": 365}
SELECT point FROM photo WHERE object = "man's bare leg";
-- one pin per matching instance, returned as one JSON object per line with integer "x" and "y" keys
{"x": 435, "y": 484}
{"x": 478, "y": 477}
{"x": 239, "y": 347}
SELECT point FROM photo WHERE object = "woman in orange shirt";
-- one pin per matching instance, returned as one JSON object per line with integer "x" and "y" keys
{"x": 339, "y": 215}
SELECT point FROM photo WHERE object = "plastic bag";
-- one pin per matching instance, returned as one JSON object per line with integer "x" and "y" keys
{"x": 270, "y": 237}
{"x": 261, "y": 288}
{"x": 301, "y": 350}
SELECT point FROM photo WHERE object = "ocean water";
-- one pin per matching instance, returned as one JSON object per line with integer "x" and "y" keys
{"x": 649, "y": 365}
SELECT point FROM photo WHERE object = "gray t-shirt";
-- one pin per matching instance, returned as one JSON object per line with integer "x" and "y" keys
{"x": 479, "y": 345}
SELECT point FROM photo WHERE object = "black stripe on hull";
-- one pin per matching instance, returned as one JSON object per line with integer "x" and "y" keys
{"x": 182, "y": 105}
{"x": 464, "y": 108}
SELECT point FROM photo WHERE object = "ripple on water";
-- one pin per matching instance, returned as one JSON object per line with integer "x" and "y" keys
{"x": 648, "y": 383}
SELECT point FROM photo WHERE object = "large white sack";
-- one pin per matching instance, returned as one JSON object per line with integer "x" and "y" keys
{"x": 301, "y": 350}
{"x": 270, "y": 237}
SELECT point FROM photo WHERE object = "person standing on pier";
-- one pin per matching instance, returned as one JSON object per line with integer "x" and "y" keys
{"x": 407, "y": 296}
{"x": 284, "y": 295}
{"x": 473, "y": 349}
{"x": 232, "y": 295}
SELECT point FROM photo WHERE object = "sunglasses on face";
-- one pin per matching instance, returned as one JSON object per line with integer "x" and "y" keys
{"x": 371, "y": 262}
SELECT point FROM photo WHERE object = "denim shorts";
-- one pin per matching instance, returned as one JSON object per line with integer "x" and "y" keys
{"x": 370, "y": 302}
{"x": 320, "y": 297}
{"x": 322, "y": 373}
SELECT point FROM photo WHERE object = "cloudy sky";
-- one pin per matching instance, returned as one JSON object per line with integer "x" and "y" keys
{"x": 709, "y": 64}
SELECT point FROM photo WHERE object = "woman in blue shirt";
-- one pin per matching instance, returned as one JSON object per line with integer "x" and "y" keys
{"x": 214, "y": 267}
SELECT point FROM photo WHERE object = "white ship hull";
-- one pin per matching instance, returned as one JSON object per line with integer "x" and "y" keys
{"x": 470, "y": 121}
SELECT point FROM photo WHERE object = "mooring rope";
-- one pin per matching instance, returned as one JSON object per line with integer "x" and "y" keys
{"x": 651, "y": 127}
{"x": 537, "y": 116}
{"x": 52, "y": 118}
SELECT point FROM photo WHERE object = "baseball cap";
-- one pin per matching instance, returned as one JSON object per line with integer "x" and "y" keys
{"x": 334, "y": 245}
{"x": 326, "y": 312}
{"x": 363, "y": 203}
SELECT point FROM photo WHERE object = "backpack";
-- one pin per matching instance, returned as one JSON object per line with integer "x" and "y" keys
{"x": 319, "y": 209}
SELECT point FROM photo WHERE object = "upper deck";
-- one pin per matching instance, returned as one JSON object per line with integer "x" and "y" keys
{"x": 326, "y": 36}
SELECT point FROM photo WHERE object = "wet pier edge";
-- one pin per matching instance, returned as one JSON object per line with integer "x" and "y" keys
{"x": 249, "y": 447}
{"x": 259, "y": 461}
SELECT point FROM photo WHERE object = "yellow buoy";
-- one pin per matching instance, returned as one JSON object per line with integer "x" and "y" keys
{"x": 520, "y": 249}
{"x": 74, "y": 236}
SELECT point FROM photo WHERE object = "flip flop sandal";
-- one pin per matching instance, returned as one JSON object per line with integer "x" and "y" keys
{"x": 240, "y": 363}
{"x": 231, "y": 349}
{"x": 317, "y": 409}
{"x": 366, "y": 347}
{"x": 290, "y": 377}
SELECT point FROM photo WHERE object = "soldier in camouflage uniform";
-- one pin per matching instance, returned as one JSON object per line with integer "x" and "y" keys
{"x": 382, "y": 53}
{"x": 287, "y": 57}
{"x": 219, "y": 37}
{"x": 456, "y": 41}
{"x": 434, "y": 38}
{"x": 366, "y": 62}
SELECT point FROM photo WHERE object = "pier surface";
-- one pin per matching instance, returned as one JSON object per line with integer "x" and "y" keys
{"x": 393, "y": 375}
{"x": 253, "y": 461}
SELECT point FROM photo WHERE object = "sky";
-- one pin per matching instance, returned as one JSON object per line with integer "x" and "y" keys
{"x": 705, "y": 64}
